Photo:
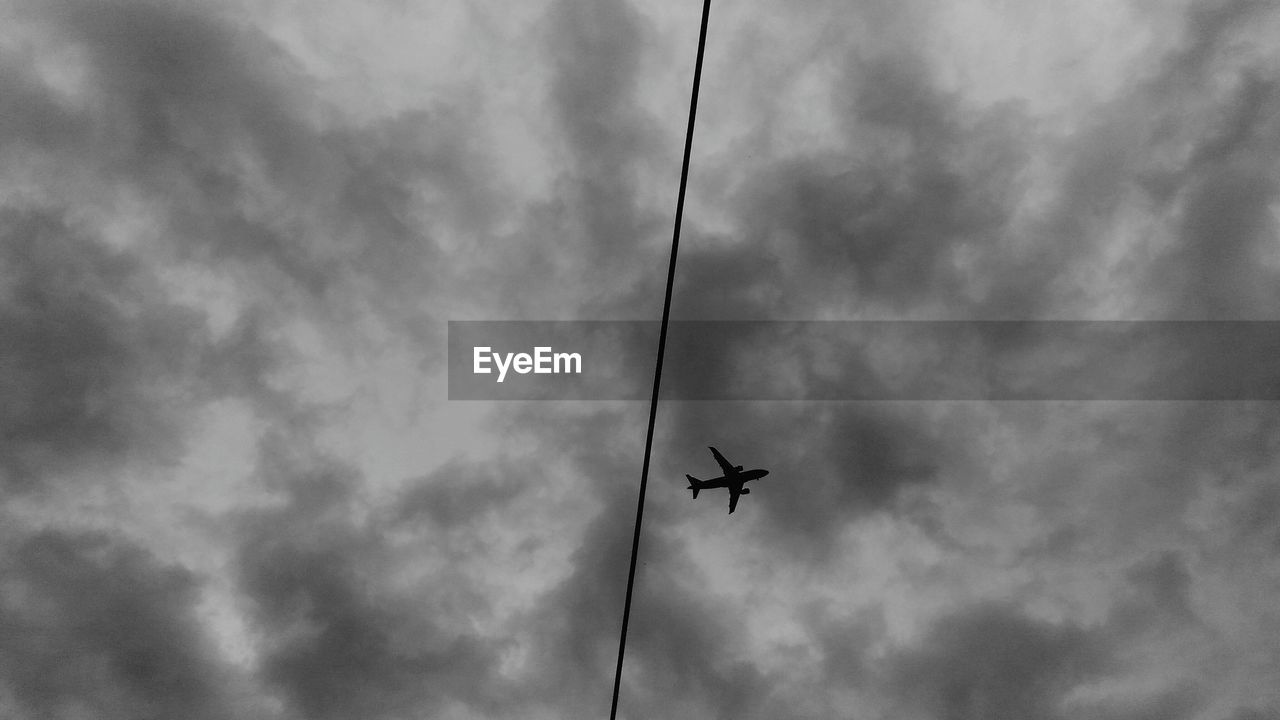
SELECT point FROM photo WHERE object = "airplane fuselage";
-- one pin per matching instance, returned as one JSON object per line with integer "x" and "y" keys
{"x": 734, "y": 479}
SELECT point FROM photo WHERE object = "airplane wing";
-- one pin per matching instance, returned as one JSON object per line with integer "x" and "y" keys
{"x": 725, "y": 466}
{"x": 734, "y": 492}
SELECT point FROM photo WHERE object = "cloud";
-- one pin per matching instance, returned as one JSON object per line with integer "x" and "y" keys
{"x": 994, "y": 662}
{"x": 92, "y": 352}
{"x": 336, "y": 636}
{"x": 196, "y": 213}
{"x": 94, "y": 624}
{"x": 595, "y": 50}
{"x": 459, "y": 491}
{"x": 31, "y": 115}
{"x": 1165, "y": 584}
{"x": 246, "y": 171}
{"x": 1183, "y": 700}
{"x": 1254, "y": 714}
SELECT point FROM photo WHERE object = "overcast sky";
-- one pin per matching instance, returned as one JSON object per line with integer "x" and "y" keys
{"x": 232, "y": 233}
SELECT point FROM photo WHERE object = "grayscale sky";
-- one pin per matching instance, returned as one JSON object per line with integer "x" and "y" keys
{"x": 232, "y": 233}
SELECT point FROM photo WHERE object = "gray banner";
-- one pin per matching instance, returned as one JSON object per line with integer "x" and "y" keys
{"x": 871, "y": 360}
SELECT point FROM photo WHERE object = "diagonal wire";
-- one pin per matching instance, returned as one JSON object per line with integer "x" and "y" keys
{"x": 662, "y": 346}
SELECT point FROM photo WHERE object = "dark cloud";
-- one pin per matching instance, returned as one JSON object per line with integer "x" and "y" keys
{"x": 726, "y": 283}
{"x": 881, "y": 233}
{"x": 337, "y": 639}
{"x": 1217, "y": 267}
{"x": 1219, "y": 194}
{"x": 1183, "y": 700}
{"x": 369, "y": 598}
{"x": 1217, "y": 270}
{"x": 93, "y": 624}
{"x": 609, "y": 224}
{"x": 91, "y": 349}
{"x": 29, "y": 115}
{"x": 993, "y": 662}
{"x": 920, "y": 204}
{"x": 203, "y": 117}
{"x": 574, "y": 626}
{"x": 101, "y": 366}
{"x": 251, "y": 174}
{"x": 1168, "y": 454}
{"x": 203, "y": 120}
{"x": 1209, "y": 28}
{"x": 176, "y": 81}
{"x": 1254, "y": 714}
{"x": 1260, "y": 516}
{"x": 846, "y": 662}
{"x": 596, "y": 51}
{"x": 1165, "y": 584}
{"x": 459, "y": 491}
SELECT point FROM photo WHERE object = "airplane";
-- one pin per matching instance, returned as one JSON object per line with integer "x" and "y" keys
{"x": 733, "y": 479}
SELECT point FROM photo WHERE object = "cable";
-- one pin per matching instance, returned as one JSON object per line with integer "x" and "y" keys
{"x": 662, "y": 346}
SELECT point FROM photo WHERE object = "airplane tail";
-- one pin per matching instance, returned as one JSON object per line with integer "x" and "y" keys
{"x": 693, "y": 485}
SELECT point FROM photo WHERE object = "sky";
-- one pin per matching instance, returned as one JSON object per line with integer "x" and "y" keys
{"x": 232, "y": 234}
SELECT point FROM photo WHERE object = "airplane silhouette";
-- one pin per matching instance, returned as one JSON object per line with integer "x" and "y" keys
{"x": 733, "y": 479}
